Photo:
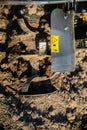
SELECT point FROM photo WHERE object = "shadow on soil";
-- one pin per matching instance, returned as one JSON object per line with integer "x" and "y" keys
{"x": 16, "y": 107}
{"x": 13, "y": 28}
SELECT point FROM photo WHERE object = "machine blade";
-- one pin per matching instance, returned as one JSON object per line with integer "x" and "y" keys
{"x": 62, "y": 41}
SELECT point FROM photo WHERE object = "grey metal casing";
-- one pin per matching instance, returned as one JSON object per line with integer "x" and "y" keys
{"x": 62, "y": 25}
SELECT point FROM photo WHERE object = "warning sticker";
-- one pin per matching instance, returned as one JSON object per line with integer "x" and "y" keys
{"x": 54, "y": 43}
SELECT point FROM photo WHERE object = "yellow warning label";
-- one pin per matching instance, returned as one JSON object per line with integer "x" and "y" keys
{"x": 54, "y": 43}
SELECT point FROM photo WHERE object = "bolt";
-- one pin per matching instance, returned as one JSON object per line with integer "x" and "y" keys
{"x": 65, "y": 17}
{"x": 66, "y": 28}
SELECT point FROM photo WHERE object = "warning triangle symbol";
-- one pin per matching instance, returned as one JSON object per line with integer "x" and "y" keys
{"x": 54, "y": 39}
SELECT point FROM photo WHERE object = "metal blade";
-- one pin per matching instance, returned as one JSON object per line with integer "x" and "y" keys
{"x": 62, "y": 41}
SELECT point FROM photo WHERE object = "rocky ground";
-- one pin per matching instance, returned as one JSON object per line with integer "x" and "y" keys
{"x": 21, "y": 28}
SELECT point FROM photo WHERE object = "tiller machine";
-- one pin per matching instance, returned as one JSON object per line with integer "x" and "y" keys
{"x": 64, "y": 18}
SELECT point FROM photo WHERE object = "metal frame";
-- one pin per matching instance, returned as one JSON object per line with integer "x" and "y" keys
{"x": 18, "y": 2}
{"x": 24, "y": 2}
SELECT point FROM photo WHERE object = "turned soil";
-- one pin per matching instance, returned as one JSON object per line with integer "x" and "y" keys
{"x": 21, "y": 29}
